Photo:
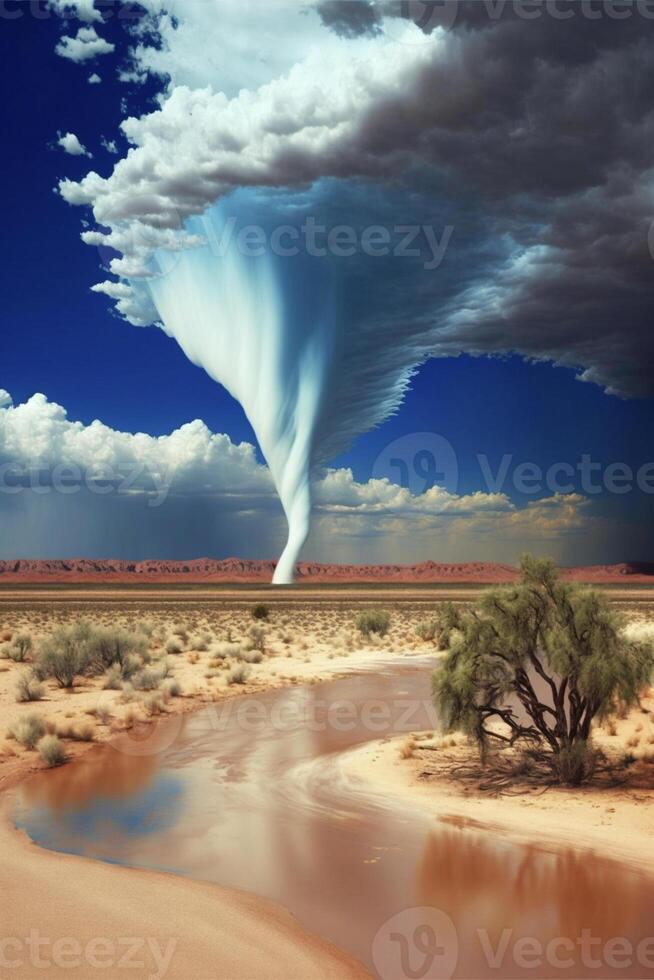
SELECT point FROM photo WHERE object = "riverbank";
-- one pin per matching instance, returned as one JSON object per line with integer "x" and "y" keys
{"x": 613, "y": 822}
{"x": 65, "y": 916}
{"x": 88, "y": 913}
{"x": 231, "y": 933}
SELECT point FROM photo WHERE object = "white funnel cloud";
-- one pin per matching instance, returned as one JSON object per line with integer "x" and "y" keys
{"x": 278, "y": 334}
{"x": 257, "y": 329}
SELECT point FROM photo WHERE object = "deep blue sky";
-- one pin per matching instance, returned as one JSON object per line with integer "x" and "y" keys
{"x": 63, "y": 340}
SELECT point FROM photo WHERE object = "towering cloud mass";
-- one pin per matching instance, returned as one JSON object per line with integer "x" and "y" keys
{"x": 473, "y": 119}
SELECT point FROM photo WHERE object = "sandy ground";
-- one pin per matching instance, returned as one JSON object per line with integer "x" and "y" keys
{"x": 64, "y": 916}
{"x": 303, "y": 645}
{"x": 615, "y": 822}
{"x": 216, "y": 933}
{"x": 178, "y": 928}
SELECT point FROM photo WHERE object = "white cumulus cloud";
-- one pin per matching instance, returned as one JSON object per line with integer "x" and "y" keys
{"x": 86, "y": 44}
{"x": 70, "y": 143}
{"x": 193, "y": 468}
{"x": 81, "y": 9}
{"x": 94, "y": 79}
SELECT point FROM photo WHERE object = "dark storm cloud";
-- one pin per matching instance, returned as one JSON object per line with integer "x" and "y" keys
{"x": 350, "y": 18}
{"x": 548, "y": 125}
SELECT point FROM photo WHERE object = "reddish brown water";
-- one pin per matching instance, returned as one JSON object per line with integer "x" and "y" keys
{"x": 253, "y": 795}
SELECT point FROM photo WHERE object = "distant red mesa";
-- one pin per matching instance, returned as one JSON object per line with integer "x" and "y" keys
{"x": 202, "y": 571}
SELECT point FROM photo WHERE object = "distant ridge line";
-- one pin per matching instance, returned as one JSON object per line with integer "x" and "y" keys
{"x": 207, "y": 570}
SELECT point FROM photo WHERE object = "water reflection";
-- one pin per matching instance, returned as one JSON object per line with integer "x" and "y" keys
{"x": 269, "y": 808}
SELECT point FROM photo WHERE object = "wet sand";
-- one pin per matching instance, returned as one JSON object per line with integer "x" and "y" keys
{"x": 106, "y": 920}
{"x": 263, "y": 797}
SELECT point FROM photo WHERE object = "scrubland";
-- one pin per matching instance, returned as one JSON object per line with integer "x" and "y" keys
{"x": 76, "y": 673}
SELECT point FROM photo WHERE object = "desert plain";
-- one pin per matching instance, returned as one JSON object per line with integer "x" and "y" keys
{"x": 203, "y": 645}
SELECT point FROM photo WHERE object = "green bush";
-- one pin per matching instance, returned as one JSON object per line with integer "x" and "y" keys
{"x": 28, "y": 688}
{"x": 238, "y": 675}
{"x": 52, "y": 751}
{"x": 28, "y": 730}
{"x": 149, "y": 679}
{"x": 65, "y": 655}
{"x": 373, "y": 621}
{"x": 260, "y": 611}
{"x": 20, "y": 648}
{"x": 113, "y": 680}
{"x": 257, "y": 636}
{"x": 428, "y": 630}
{"x": 107, "y": 647}
{"x": 575, "y": 763}
{"x": 558, "y": 650}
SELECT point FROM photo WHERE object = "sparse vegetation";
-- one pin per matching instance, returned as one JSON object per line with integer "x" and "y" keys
{"x": 257, "y": 636}
{"x": 110, "y": 647}
{"x": 28, "y": 687}
{"x": 373, "y": 621}
{"x": 52, "y": 751}
{"x": 238, "y": 674}
{"x": 28, "y": 730}
{"x": 260, "y": 611}
{"x": 65, "y": 655}
{"x": 428, "y": 630}
{"x": 20, "y": 648}
{"x": 149, "y": 679}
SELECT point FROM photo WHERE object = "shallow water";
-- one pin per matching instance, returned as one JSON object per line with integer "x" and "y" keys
{"x": 252, "y": 794}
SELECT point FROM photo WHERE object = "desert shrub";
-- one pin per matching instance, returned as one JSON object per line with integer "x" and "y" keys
{"x": 102, "y": 712}
{"x": 20, "y": 648}
{"x": 113, "y": 680}
{"x": 257, "y": 636}
{"x": 260, "y": 611}
{"x": 173, "y": 689}
{"x": 52, "y": 751}
{"x": 28, "y": 688}
{"x": 566, "y": 637}
{"x": 428, "y": 630}
{"x": 224, "y": 650}
{"x": 145, "y": 626}
{"x": 107, "y": 647}
{"x": 575, "y": 763}
{"x": 173, "y": 647}
{"x": 28, "y": 730}
{"x": 149, "y": 679}
{"x": 65, "y": 655}
{"x": 251, "y": 656}
{"x": 84, "y": 733}
{"x": 199, "y": 644}
{"x": 238, "y": 674}
{"x": 373, "y": 621}
{"x": 154, "y": 703}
